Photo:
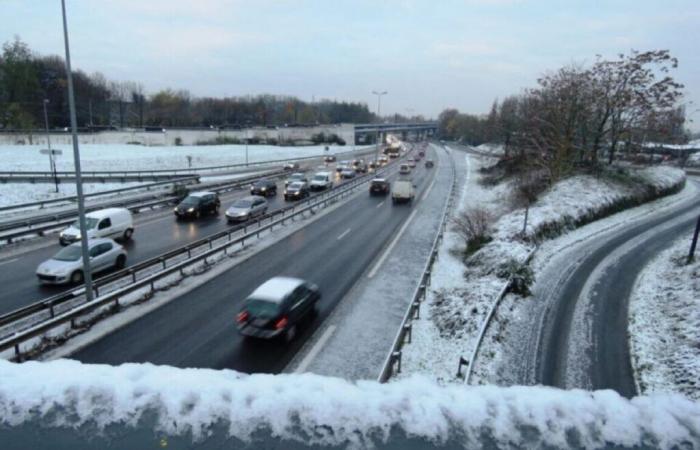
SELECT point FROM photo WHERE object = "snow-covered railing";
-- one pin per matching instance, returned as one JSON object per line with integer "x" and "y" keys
{"x": 404, "y": 334}
{"x": 37, "y": 319}
{"x": 487, "y": 320}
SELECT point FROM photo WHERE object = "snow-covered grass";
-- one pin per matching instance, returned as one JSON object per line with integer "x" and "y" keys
{"x": 98, "y": 402}
{"x": 137, "y": 157}
{"x": 664, "y": 323}
{"x": 491, "y": 149}
{"x": 463, "y": 290}
{"x": 17, "y": 193}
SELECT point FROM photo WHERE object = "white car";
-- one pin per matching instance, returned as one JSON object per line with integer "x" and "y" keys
{"x": 112, "y": 223}
{"x": 66, "y": 266}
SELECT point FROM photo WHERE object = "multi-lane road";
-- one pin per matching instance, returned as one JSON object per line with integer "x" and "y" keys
{"x": 198, "y": 328}
{"x": 156, "y": 233}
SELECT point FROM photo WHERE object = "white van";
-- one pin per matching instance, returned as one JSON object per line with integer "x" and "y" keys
{"x": 321, "y": 181}
{"x": 112, "y": 223}
{"x": 402, "y": 191}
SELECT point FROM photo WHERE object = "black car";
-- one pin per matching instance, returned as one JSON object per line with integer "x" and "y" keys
{"x": 379, "y": 186}
{"x": 329, "y": 158}
{"x": 295, "y": 177}
{"x": 264, "y": 188}
{"x": 296, "y": 191}
{"x": 198, "y": 204}
{"x": 276, "y": 308}
{"x": 429, "y": 163}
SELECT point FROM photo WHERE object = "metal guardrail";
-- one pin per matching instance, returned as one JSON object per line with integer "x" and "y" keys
{"x": 192, "y": 253}
{"x": 74, "y": 198}
{"x": 394, "y": 357}
{"x": 65, "y": 218}
{"x": 487, "y": 321}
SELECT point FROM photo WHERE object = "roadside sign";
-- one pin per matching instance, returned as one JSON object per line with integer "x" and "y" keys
{"x": 46, "y": 151}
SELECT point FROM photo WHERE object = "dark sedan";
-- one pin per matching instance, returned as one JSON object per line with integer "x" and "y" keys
{"x": 379, "y": 186}
{"x": 264, "y": 188}
{"x": 296, "y": 191}
{"x": 276, "y": 308}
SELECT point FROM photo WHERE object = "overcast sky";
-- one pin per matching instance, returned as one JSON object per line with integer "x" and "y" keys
{"x": 429, "y": 55}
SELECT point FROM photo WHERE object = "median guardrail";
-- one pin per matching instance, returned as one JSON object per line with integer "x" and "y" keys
{"x": 35, "y": 319}
{"x": 392, "y": 363}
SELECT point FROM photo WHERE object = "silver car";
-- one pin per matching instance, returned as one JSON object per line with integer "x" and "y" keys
{"x": 296, "y": 177}
{"x": 66, "y": 266}
{"x": 246, "y": 208}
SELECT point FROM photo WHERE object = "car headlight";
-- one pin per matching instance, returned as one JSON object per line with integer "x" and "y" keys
{"x": 263, "y": 189}
{"x": 190, "y": 210}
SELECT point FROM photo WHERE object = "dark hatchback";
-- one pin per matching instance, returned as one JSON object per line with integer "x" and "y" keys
{"x": 379, "y": 186}
{"x": 276, "y": 308}
{"x": 264, "y": 188}
{"x": 198, "y": 204}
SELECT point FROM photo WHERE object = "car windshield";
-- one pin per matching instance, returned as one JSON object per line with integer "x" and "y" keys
{"x": 242, "y": 203}
{"x": 296, "y": 185}
{"x": 191, "y": 200}
{"x": 90, "y": 223}
{"x": 320, "y": 178}
{"x": 263, "y": 309}
{"x": 70, "y": 253}
{"x": 261, "y": 184}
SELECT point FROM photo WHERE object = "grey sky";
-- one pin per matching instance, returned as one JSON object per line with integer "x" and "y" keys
{"x": 429, "y": 55}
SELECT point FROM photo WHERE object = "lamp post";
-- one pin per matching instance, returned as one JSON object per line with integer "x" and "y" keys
{"x": 52, "y": 162}
{"x": 76, "y": 158}
{"x": 379, "y": 117}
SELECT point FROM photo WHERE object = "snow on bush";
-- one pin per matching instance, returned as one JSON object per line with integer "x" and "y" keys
{"x": 93, "y": 400}
{"x": 664, "y": 323}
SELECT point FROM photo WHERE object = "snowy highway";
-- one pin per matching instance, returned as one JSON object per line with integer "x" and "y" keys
{"x": 156, "y": 232}
{"x": 198, "y": 329}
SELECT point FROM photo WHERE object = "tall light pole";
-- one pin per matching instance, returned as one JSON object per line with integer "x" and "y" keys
{"x": 52, "y": 162}
{"x": 76, "y": 158}
{"x": 379, "y": 117}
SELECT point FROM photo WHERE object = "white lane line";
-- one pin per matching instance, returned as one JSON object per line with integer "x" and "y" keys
{"x": 315, "y": 349}
{"x": 8, "y": 261}
{"x": 379, "y": 263}
{"x": 343, "y": 234}
{"x": 380, "y": 204}
{"x": 425, "y": 194}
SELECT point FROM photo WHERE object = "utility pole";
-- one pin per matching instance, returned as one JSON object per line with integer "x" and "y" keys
{"x": 379, "y": 117}
{"x": 52, "y": 162}
{"x": 76, "y": 158}
{"x": 694, "y": 243}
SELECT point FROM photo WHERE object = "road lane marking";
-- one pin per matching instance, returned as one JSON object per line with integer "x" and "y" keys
{"x": 343, "y": 234}
{"x": 8, "y": 261}
{"x": 379, "y": 263}
{"x": 315, "y": 349}
{"x": 425, "y": 194}
{"x": 380, "y": 204}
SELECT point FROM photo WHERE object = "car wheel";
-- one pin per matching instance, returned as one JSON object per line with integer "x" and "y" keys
{"x": 127, "y": 233}
{"x": 120, "y": 263}
{"x": 77, "y": 277}
{"x": 291, "y": 333}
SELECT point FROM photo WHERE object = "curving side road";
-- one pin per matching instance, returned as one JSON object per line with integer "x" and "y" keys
{"x": 582, "y": 338}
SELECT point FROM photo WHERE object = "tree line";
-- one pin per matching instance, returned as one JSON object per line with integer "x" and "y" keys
{"x": 28, "y": 79}
{"x": 582, "y": 115}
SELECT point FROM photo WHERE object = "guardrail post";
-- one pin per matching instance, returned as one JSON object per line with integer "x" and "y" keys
{"x": 416, "y": 310}
{"x": 407, "y": 330}
{"x": 396, "y": 359}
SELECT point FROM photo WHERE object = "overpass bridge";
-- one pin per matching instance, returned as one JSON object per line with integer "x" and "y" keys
{"x": 419, "y": 130}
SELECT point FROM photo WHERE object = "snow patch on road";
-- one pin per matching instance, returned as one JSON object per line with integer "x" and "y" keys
{"x": 664, "y": 323}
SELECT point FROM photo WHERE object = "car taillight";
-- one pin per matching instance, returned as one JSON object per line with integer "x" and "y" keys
{"x": 242, "y": 316}
{"x": 281, "y": 323}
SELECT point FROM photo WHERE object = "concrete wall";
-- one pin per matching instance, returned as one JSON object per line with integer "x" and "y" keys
{"x": 188, "y": 137}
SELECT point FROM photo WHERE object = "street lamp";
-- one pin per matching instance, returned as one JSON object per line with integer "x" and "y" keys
{"x": 76, "y": 158}
{"x": 379, "y": 117}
